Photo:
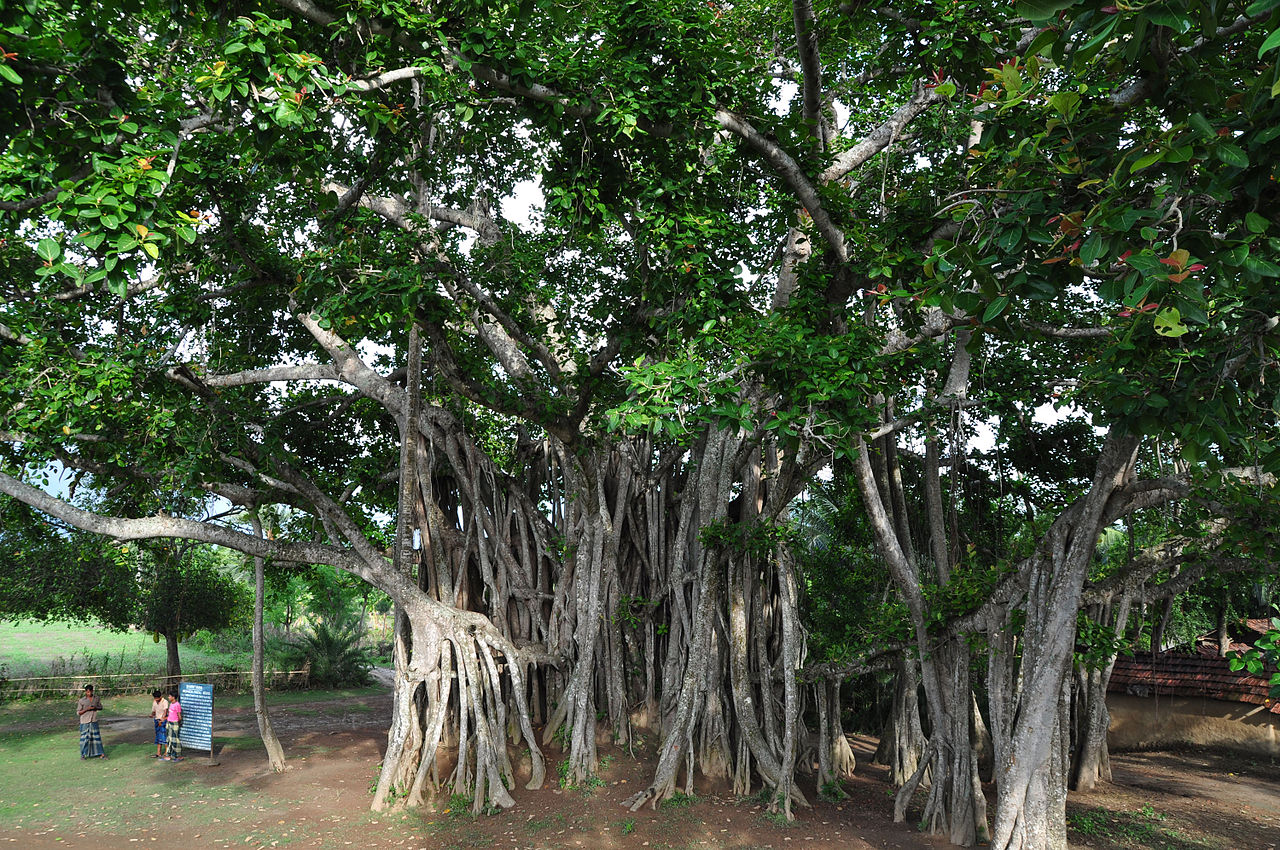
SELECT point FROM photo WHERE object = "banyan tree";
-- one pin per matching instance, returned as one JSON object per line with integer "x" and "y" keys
{"x": 538, "y": 319}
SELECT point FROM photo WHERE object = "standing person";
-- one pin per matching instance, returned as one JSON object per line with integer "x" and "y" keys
{"x": 173, "y": 725}
{"x": 159, "y": 716}
{"x": 87, "y": 709}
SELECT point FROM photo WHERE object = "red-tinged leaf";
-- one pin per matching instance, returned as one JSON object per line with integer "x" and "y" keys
{"x": 1197, "y": 267}
{"x": 1177, "y": 259}
{"x": 1052, "y": 260}
{"x": 1180, "y": 276}
{"x": 1124, "y": 258}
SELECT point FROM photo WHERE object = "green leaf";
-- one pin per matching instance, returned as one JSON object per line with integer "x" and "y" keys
{"x": 1149, "y": 159}
{"x": 1261, "y": 7}
{"x": 1232, "y": 155}
{"x": 1201, "y": 125}
{"x": 1065, "y": 103}
{"x": 1258, "y": 265}
{"x": 152, "y": 251}
{"x": 1169, "y": 323}
{"x": 10, "y": 74}
{"x": 1167, "y": 17}
{"x": 1272, "y": 42}
{"x": 995, "y": 308}
{"x": 47, "y": 250}
{"x": 1095, "y": 44}
{"x": 1236, "y": 256}
{"x": 1090, "y": 250}
{"x": 1039, "y": 10}
{"x": 1044, "y": 39}
{"x": 187, "y": 234}
{"x": 1256, "y": 223}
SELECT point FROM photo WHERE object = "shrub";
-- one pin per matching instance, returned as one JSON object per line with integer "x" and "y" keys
{"x": 332, "y": 647}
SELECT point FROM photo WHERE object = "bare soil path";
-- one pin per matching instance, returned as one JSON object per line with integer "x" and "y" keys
{"x": 1183, "y": 801}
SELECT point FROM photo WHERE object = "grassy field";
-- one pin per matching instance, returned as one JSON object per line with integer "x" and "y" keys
{"x": 45, "y": 790}
{"x": 54, "y": 649}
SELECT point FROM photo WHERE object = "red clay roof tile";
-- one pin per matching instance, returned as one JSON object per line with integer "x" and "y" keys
{"x": 1176, "y": 674}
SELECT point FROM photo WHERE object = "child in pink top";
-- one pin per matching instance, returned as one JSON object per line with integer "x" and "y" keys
{"x": 173, "y": 747}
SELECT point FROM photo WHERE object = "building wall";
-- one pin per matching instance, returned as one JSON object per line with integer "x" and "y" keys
{"x": 1156, "y": 722}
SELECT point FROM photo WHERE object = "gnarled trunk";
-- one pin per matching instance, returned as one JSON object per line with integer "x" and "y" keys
{"x": 902, "y": 742}
{"x": 1091, "y": 761}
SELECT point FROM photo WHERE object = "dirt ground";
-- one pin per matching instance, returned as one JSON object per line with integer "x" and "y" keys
{"x": 1181, "y": 801}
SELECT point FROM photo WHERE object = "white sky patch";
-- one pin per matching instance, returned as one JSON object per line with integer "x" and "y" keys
{"x": 525, "y": 200}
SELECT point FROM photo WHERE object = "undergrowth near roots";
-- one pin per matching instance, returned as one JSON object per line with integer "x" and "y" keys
{"x": 1143, "y": 828}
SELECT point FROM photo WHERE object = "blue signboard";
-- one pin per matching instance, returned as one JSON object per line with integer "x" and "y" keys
{"x": 197, "y": 716}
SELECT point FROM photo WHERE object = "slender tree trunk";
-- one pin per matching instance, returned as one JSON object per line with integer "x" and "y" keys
{"x": 952, "y": 808}
{"x": 903, "y": 741}
{"x": 1092, "y": 760}
{"x": 400, "y": 760}
{"x": 1224, "y": 638}
{"x": 275, "y": 752}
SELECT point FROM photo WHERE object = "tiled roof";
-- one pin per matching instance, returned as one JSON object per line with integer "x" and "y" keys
{"x": 1258, "y": 625}
{"x": 1176, "y": 674}
{"x": 1210, "y": 649}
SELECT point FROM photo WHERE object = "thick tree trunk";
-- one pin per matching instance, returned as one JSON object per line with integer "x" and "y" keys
{"x": 173, "y": 664}
{"x": 1032, "y": 737}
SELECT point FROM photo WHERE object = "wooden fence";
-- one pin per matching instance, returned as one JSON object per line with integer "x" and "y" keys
{"x": 119, "y": 684}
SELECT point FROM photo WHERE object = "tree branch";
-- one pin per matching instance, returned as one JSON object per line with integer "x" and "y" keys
{"x": 882, "y": 136}
{"x": 301, "y": 372}
{"x": 175, "y": 528}
{"x": 806, "y": 27}
{"x": 792, "y": 175}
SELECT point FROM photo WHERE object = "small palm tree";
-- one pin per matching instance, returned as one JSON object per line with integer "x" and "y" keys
{"x": 332, "y": 645}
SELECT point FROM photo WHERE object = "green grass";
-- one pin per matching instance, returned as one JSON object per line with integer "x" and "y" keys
{"x": 40, "y": 649}
{"x": 118, "y": 795}
{"x": 20, "y": 713}
{"x": 47, "y": 786}
{"x": 1144, "y": 828}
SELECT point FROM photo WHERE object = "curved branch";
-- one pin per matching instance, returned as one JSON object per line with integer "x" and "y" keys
{"x": 1067, "y": 333}
{"x": 792, "y": 175}
{"x": 143, "y": 528}
{"x": 882, "y": 136}
{"x": 1144, "y": 87}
